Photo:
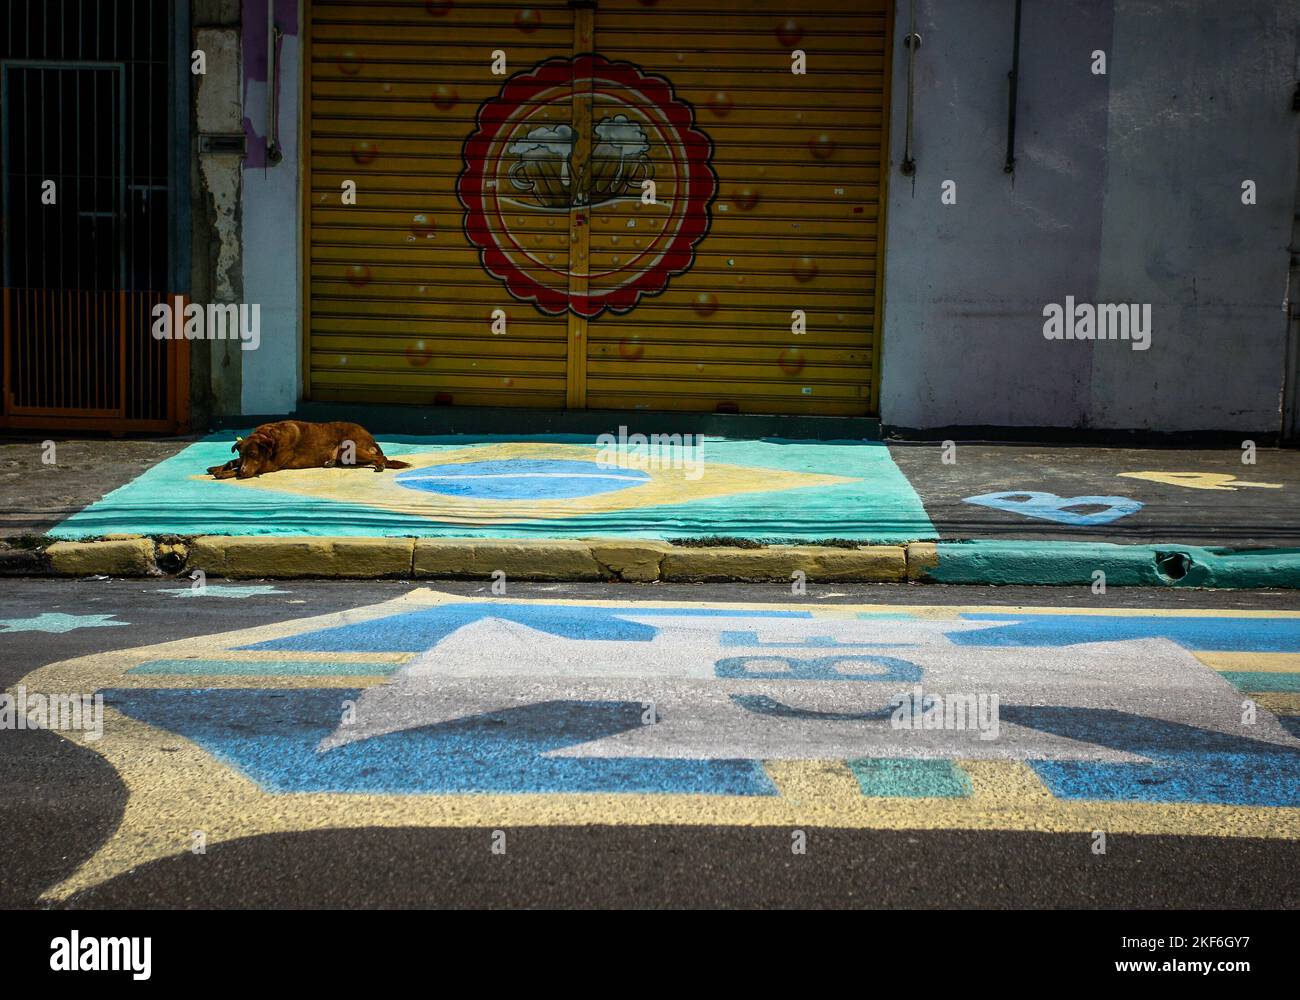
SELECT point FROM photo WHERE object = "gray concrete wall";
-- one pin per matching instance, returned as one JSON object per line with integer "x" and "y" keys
{"x": 1127, "y": 188}
{"x": 272, "y": 380}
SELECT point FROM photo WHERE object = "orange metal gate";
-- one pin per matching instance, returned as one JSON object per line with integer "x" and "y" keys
{"x": 78, "y": 359}
{"x": 90, "y": 241}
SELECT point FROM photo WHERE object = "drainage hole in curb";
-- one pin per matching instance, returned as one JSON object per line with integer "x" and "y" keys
{"x": 1173, "y": 565}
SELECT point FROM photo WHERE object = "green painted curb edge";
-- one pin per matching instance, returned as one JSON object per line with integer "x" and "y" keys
{"x": 1038, "y": 563}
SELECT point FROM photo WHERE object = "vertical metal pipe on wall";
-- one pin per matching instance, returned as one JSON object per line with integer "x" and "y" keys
{"x": 912, "y": 43}
{"x": 1014, "y": 78}
{"x": 273, "y": 152}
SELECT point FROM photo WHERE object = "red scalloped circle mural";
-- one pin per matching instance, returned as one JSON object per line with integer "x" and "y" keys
{"x": 520, "y": 190}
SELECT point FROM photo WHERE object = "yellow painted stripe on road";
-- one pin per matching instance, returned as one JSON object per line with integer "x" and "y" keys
{"x": 1006, "y": 784}
{"x": 165, "y": 805}
{"x": 1277, "y": 702}
{"x": 1268, "y": 663}
{"x": 259, "y": 681}
{"x": 1005, "y": 609}
{"x": 823, "y": 781}
{"x": 924, "y": 611}
{"x": 282, "y": 681}
{"x": 296, "y": 655}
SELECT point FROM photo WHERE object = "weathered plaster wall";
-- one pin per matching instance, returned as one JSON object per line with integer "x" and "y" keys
{"x": 245, "y": 242}
{"x": 1127, "y": 189}
{"x": 216, "y": 206}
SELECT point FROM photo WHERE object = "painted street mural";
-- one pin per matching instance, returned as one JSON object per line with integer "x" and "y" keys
{"x": 442, "y": 710}
{"x": 629, "y": 485}
{"x": 528, "y": 175}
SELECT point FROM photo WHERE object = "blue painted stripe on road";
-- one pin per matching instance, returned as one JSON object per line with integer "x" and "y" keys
{"x": 272, "y": 738}
{"x": 1260, "y": 635}
{"x": 414, "y": 631}
{"x": 1187, "y": 764}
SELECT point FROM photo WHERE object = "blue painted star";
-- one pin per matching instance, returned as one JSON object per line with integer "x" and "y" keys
{"x": 48, "y": 622}
{"x": 223, "y": 590}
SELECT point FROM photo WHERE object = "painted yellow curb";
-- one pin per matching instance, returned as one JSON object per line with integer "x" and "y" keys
{"x": 240, "y": 557}
{"x": 248, "y": 557}
{"x": 113, "y": 557}
{"x": 639, "y": 562}
{"x": 921, "y": 558}
{"x": 779, "y": 563}
{"x": 479, "y": 558}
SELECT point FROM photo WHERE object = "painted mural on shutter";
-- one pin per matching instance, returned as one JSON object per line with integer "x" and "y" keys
{"x": 642, "y": 212}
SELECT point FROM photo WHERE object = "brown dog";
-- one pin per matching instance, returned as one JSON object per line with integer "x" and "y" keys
{"x": 297, "y": 444}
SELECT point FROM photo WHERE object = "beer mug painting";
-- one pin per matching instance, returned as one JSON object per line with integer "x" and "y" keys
{"x": 541, "y": 167}
{"x": 619, "y": 162}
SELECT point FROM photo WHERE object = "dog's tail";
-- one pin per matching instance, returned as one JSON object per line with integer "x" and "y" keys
{"x": 392, "y": 463}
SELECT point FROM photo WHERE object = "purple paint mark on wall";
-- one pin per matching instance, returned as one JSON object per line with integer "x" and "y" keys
{"x": 286, "y": 19}
{"x": 254, "y": 50}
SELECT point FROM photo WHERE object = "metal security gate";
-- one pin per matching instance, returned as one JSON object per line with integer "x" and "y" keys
{"x": 399, "y": 306}
{"x": 88, "y": 156}
{"x": 643, "y": 207}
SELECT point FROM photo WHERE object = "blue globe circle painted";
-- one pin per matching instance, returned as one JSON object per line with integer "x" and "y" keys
{"x": 521, "y": 479}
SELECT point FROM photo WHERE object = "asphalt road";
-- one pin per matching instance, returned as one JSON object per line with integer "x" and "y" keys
{"x": 69, "y": 839}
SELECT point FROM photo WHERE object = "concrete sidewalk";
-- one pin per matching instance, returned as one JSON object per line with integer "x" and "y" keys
{"x": 1194, "y": 497}
{"x": 560, "y": 507}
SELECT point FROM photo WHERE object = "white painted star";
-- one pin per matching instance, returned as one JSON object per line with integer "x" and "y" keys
{"x": 224, "y": 590}
{"x": 48, "y": 622}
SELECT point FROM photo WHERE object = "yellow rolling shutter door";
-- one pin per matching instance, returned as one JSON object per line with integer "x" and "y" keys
{"x": 795, "y": 222}
{"x": 763, "y": 210}
{"x": 399, "y": 306}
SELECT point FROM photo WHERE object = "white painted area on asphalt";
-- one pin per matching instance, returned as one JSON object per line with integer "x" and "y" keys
{"x": 737, "y": 686}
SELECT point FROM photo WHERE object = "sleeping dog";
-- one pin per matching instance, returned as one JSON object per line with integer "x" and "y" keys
{"x": 297, "y": 444}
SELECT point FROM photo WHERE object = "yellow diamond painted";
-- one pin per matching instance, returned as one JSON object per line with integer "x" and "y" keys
{"x": 520, "y": 481}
